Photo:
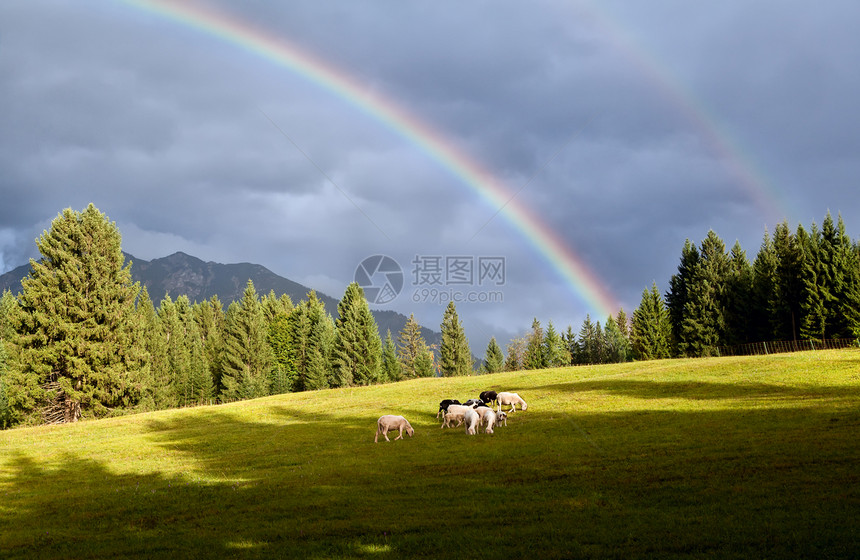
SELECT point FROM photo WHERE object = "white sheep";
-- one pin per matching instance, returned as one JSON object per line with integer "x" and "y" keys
{"x": 512, "y": 399}
{"x": 472, "y": 420}
{"x": 389, "y": 423}
{"x": 488, "y": 418}
{"x": 455, "y": 412}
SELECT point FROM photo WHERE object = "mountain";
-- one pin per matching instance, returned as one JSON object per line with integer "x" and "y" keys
{"x": 181, "y": 274}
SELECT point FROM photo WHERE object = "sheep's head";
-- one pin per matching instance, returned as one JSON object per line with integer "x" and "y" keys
{"x": 410, "y": 430}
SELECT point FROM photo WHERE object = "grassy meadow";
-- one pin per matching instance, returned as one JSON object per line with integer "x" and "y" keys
{"x": 747, "y": 457}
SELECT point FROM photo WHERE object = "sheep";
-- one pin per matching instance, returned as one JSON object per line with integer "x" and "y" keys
{"x": 512, "y": 399}
{"x": 488, "y": 396}
{"x": 501, "y": 419}
{"x": 474, "y": 403}
{"x": 472, "y": 420}
{"x": 488, "y": 418}
{"x": 443, "y": 406}
{"x": 455, "y": 412}
{"x": 389, "y": 423}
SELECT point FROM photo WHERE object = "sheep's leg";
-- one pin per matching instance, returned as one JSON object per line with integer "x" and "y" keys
{"x": 401, "y": 434}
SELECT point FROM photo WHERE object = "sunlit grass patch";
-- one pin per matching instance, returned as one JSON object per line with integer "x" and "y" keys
{"x": 677, "y": 458}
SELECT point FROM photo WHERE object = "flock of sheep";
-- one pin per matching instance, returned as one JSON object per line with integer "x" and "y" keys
{"x": 474, "y": 413}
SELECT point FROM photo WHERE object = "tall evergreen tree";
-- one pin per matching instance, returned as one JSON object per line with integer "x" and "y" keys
{"x": 413, "y": 352}
{"x": 571, "y": 345}
{"x": 283, "y": 373}
{"x": 617, "y": 346}
{"x": 678, "y": 294}
{"x": 77, "y": 328}
{"x": 156, "y": 386}
{"x": 357, "y": 352}
{"x": 738, "y": 298}
{"x": 652, "y": 327}
{"x": 555, "y": 351}
{"x": 785, "y": 303}
{"x": 455, "y": 356}
{"x": 763, "y": 291}
{"x": 211, "y": 323}
{"x": 247, "y": 358}
{"x": 391, "y": 370}
{"x": 312, "y": 336}
{"x": 534, "y": 358}
{"x": 494, "y": 359}
{"x": 590, "y": 345}
{"x": 704, "y": 325}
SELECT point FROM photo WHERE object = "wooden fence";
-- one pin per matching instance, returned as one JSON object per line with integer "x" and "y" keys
{"x": 782, "y": 346}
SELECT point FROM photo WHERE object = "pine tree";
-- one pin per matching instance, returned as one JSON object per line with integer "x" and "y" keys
{"x": 412, "y": 351}
{"x": 357, "y": 351}
{"x": 652, "y": 327}
{"x": 787, "y": 295}
{"x": 738, "y": 298}
{"x": 494, "y": 359}
{"x": 763, "y": 291}
{"x": 704, "y": 325}
{"x": 571, "y": 344}
{"x": 678, "y": 294}
{"x": 391, "y": 370}
{"x": 156, "y": 390}
{"x": 211, "y": 323}
{"x": 534, "y": 358}
{"x": 248, "y": 358}
{"x": 617, "y": 345}
{"x": 554, "y": 348}
{"x": 455, "y": 356}
{"x": 589, "y": 348}
{"x": 77, "y": 328}
{"x": 311, "y": 331}
{"x": 283, "y": 373}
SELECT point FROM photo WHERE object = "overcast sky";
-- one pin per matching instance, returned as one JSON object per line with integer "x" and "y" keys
{"x": 623, "y": 128}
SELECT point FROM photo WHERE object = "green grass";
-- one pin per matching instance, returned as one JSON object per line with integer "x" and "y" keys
{"x": 748, "y": 457}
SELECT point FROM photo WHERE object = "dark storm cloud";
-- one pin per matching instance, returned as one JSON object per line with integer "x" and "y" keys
{"x": 625, "y": 127}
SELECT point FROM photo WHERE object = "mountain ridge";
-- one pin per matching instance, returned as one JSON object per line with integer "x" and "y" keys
{"x": 183, "y": 274}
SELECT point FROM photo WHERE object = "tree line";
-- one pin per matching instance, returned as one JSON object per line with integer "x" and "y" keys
{"x": 802, "y": 285}
{"x": 81, "y": 339}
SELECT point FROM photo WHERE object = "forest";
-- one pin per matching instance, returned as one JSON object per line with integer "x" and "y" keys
{"x": 82, "y": 340}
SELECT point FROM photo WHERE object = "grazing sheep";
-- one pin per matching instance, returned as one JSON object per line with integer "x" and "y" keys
{"x": 488, "y": 418}
{"x": 501, "y": 419}
{"x": 512, "y": 399}
{"x": 488, "y": 397}
{"x": 443, "y": 406}
{"x": 389, "y": 423}
{"x": 474, "y": 403}
{"x": 472, "y": 420}
{"x": 455, "y": 412}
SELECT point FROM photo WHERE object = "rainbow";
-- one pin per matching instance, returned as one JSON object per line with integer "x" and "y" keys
{"x": 758, "y": 188}
{"x": 577, "y": 275}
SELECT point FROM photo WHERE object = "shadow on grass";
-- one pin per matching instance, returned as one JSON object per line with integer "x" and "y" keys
{"x": 313, "y": 485}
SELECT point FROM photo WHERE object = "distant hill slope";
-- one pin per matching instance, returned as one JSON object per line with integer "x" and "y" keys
{"x": 181, "y": 274}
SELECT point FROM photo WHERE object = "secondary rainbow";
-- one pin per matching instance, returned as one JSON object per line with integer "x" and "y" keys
{"x": 584, "y": 283}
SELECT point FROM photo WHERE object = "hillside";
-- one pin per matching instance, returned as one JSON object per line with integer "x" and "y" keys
{"x": 747, "y": 457}
{"x": 182, "y": 274}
